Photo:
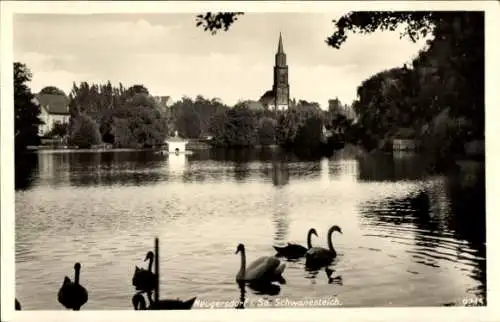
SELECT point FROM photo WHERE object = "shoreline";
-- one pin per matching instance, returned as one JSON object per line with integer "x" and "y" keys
{"x": 55, "y": 150}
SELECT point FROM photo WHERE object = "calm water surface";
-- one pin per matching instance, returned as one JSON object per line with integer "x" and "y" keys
{"x": 409, "y": 238}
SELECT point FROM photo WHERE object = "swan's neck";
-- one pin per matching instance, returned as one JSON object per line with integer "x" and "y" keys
{"x": 330, "y": 243}
{"x": 243, "y": 263}
{"x": 77, "y": 276}
{"x": 150, "y": 267}
{"x": 309, "y": 237}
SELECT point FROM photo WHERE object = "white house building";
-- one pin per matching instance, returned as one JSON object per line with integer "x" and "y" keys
{"x": 176, "y": 144}
{"x": 53, "y": 108}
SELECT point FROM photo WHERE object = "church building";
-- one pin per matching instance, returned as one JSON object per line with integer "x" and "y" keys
{"x": 278, "y": 99}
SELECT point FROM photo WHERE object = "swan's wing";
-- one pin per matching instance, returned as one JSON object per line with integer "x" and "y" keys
{"x": 317, "y": 252}
{"x": 66, "y": 280}
{"x": 261, "y": 267}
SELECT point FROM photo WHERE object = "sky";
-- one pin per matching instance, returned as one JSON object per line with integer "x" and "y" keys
{"x": 169, "y": 55}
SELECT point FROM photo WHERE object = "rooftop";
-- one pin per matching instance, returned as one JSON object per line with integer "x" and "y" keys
{"x": 54, "y": 103}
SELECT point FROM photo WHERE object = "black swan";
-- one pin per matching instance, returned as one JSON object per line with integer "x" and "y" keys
{"x": 144, "y": 280}
{"x": 18, "y": 305}
{"x": 294, "y": 251}
{"x": 140, "y": 304}
{"x": 263, "y": 269}
{"x": 71, "y": 294}
{"x": 317, "y": 257}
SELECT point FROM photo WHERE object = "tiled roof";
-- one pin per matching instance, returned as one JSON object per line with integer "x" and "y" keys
{"x": 54, "y": 104}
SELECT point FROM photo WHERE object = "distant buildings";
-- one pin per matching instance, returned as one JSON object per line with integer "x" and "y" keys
{"x": 165, "y": 102}
{"x": 336, "y": 107}
{"x": 278, "y": 98}
{"x": 54, "y": 108}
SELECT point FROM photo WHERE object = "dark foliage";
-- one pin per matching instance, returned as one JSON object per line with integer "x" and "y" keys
{"x": 214, "y": 22}
{"x": 59, "y": 130}
{"x": 85, "y": 132}
{"x": 26, "y": 111}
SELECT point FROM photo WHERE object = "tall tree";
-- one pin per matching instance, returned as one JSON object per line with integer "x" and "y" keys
{"x": 26, "y": 110}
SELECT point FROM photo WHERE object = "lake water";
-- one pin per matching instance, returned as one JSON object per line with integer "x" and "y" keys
{"x": 409, "y": 238}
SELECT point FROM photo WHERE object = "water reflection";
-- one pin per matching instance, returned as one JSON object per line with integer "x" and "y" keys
{"x": 280, "y": 173}
{"x": 177, "y": 164}
{"x": 281, "y": 217}
{"x": 389, "y": 167}
{"x": 25, "y": 170}
{"x": 441, "y": 222}
{"x": 402, "y": 226}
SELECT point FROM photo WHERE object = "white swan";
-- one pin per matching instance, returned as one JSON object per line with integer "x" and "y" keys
{"x": 264, "y": 269}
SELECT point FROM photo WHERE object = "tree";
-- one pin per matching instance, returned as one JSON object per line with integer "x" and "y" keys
{"x": 450, "y": 71}
{"x": 139, "y": 123}
{"x": 85, "y": 132}
{"x": 306, "y": 118}
{"x": 26, "y": 111}
{"x": 216, "y": 21}
{"x": 235, "y": 127}
{"x": 267, "y": 131}
{"x": 52, "y": 90}
{"x": 59, "y": 129}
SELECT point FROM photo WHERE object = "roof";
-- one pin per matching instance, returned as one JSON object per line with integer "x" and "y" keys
{"x": 176, "y": 139}
{"x": 267, "y": 97}
{"x": 53, "y": 103}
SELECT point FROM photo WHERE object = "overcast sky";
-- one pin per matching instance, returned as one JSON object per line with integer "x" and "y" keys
{"x": 169, "y": 55}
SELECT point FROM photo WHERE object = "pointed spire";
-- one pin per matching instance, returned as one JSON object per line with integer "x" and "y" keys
{"x": 280, "y": 45}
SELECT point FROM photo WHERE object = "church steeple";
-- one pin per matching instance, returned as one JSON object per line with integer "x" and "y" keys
{"x": 280, "y": 46}
{"x": 280, "y": 58}
{"x": 281, "y": 88}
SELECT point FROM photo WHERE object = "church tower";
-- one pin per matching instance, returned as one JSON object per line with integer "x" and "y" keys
{"x": 281, "y": 88}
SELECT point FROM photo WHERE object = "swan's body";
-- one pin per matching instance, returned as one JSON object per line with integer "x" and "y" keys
{"x": 144, "y": 280}
{"x": 140, "y": 304}
{"x": 293, "y": 251}
{"x": 263, "y": 269}
{"x": 318, "y": 256}
{"x": 18, "y": 305}
{"x": 72, "y": 295}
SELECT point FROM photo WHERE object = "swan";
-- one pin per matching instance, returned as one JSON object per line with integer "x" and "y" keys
{"x": 294, "y": 251}
{"x": 71, "y": 294}
{"x": 140, "y": 304}
{"x": 333, "y": 280}
{"x": 263, "y": 269}
{"x": 319, "y": 256}
{"x": 18, "y": 305}
{"x": 144, "y": 280}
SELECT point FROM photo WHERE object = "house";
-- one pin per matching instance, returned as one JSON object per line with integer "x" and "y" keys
{"x": 176, "y": 144}
{"x": 404, "y": 140}
{"x": 53, "y": 108}
{"x": 164, "y": 101}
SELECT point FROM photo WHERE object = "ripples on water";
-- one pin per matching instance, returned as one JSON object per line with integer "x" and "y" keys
{"x": 408, "y": 239}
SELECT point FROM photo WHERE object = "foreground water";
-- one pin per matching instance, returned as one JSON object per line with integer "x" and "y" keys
{"x": 409, "y": 238}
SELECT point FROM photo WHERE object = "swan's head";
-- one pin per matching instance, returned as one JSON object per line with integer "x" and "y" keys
{"x": 313, "y": 231}
{"x": 139, "y": 302}
{"x": 150, "y": 255}
{"x": 78, "y": 266}
{"x": 240, "y": 248}
{"x": 335, "y": 228}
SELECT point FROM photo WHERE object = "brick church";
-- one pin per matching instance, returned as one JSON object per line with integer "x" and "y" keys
{"x": 278, "y": 99}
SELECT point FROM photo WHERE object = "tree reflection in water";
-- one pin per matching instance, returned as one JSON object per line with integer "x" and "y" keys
{"x": 440, "y": 215}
